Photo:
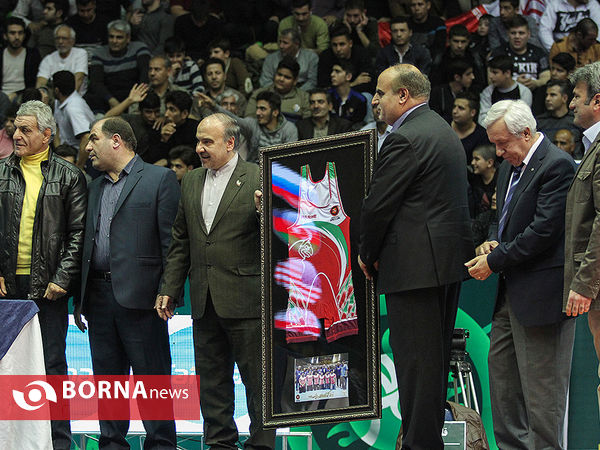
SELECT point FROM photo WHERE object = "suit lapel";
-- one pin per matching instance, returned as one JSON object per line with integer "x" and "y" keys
{"x": 130, "y": 182}
{"x": 593, "y": 149}
{"x": 238, "y": 177}
{"x": 197, "y": 190}
{"x": 94, "y": 202}
{"x": 502, "y": 184}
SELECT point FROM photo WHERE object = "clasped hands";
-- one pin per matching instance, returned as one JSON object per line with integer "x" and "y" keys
{"x": 478, "y": 266}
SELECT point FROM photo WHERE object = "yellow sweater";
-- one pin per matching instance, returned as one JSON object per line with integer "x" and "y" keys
{"x": 32, "y": 172}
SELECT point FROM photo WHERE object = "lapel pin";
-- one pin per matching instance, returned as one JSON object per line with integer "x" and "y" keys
{"x": 238, "y": 183}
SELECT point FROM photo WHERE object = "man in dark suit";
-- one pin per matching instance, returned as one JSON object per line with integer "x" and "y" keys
{"x": 321, "y": 122}
{"x": 414, "y": 232}
{"x": 582, "y": 267}
{"x": 128, "y": 230}
{"x": 531, "y": 343}
{"x": 216, "y": 239}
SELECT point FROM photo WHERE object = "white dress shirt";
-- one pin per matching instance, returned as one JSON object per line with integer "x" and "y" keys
{"x": 214, "y": 186}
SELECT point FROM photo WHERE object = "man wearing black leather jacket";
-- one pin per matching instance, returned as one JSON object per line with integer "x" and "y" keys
{"x": 43, "y": 201}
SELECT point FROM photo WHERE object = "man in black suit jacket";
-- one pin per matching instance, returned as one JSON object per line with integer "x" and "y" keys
{"x": 322, "y": 122}
{"x": 531, "y": 343}
{"x": 414, "y": 232}
{"x": 131, "y": 209}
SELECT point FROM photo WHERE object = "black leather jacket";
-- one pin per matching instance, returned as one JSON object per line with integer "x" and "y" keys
{"x": 58, "y": 225}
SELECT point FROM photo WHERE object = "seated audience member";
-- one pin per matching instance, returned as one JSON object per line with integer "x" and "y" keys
{"x": 377, "y": 124}
{"x": 185, "y": 73}
{"x": 557, "y": 114}
{"x": 459, "y": 74}
{"x": 183, "y": 159}
{"x": 72, "y": 114}
{"x": 484, "y": 177}
{"x": 581, "y": 43}
{"x": 561, "y": 66}
{"x": 321, "y": 121}
{"x": 66, "y": 57}
{"x": 530, "y": 61}
{"x": 565, "y": 140}
{"x": 480, "y": 226}
{"x": 347, "y": 103}
{"x": 560, "y": 17}
{"x": 364, "y": 29}
{"x": 236, "y": 73}
{"x": 313, "y": 29}
{"x": 294, "y": 101}
{"x": 18, "y": 64}
{"x": 401, "y": 50}
{"x": 159, "y": 74}
{"x": 470, "y": 133}
{"x": 289, "y": 45}
{"x": 480, "y": 43}
{"x": 179, "y": 128}
{"x": 498, "y": 34}
{"x": 89, "y": 27}
{"x": 116, "y": 67}
{"x": 342, "y": 49}
{"x": 7, "y": 131}
{"x": 458, "y": 48}
{"x": 145, "y": 125}
{"x": 502, "y": 87}
{"x": 428, "y": 29}
{"x": 269, "y": 127}
{"x": 71, "y": 154}
{"x": 152, "y": 25}
{"x": 55, "y": 13}
{"x": 229, "y": 99}
{"x": 197, "y": 29}
{"x": 215, "y": 79}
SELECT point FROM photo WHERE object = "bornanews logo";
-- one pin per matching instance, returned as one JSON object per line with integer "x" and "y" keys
{"x": 82, "y": 397}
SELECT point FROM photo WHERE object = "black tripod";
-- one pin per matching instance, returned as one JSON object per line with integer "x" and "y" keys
{"x": 461, "y": 370}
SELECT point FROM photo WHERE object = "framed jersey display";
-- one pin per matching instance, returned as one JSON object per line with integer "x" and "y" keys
{"x": 320, "y": 347}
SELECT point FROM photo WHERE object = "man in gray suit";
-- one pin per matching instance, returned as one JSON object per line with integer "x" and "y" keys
{"x": 128, "y": 230}
{"x": 582, "y": 232}
{"x": 414, "y": 232}
{"x": 216, "y": 239}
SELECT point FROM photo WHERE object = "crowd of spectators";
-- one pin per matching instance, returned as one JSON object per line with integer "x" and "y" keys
{"x": 288, "y": 69}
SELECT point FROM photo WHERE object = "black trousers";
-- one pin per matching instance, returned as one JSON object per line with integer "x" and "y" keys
{"x": 218, "y": 344}
{"x": 54, "y": 322}
{"x": 421, "y": 325}
{"x": 120, "y": 339}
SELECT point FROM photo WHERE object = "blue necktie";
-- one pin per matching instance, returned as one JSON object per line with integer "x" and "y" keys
{"x": 516, "y": 176}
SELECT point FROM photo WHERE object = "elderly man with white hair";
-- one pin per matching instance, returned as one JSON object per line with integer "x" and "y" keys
{"x": 531, "y": 342}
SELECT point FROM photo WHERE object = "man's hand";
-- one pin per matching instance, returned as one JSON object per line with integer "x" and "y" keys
{"x": 77, "y": 317}
{"x": 362, "y": 78}
{"x": 486, "y": 247}
{"x": 165, "y": 306}
{"x": 136, "y": 17}
{"x": 54, "y": 291}
{"x": 479, "y": 268}
{"x": 204, "y": 100}
{"x": 138, "y": 92}
{"x": 3, "y": 292}
{"x": 257, "y": 199}
{"x": 158, "y": 123}
{"x": 577, "y": 304}
{"x": 167, "y": 131}
{"x": 365, "y": 269}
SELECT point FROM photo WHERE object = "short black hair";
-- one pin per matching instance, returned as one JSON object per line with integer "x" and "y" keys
{"x": 222, "y": 43}
{"x": 565, "y": 60}
{"x": 458, "y": 30}
{"x": 210, "y": 61}
{"x": 585, "y": 26}
{"x": 321, "y": 91}
{"x": 517, "y": 21}
{"x": 185, "y": 153}
{"x": 12, "y": 20}
{"x": 301, "y": 3}
{"x": 66, "y": 150}
{"x": 287, "y": 62}
{"x": 354, "y": 4}
{"x": 472, "y": 98}
{"x": 502, "y": 62}
{"x": 181, "y": 99}
{"x": 340, "y": 30}
{"x": 565, "y": 86}
{"x": 64, "y": 81}
{"x": 457, "y": 66}
{"x": 346, "y": 65}
{"x": 401, "y": 19}
{"x": 117, "y": 125}
{"x": 174, "y": 44}
{"x": 514, "y": 3}
{"x": 272, "y": 98}
{"x": 152, "y": 101}
{"x": 31, "y": 94}
{"x": 60, "y": 5}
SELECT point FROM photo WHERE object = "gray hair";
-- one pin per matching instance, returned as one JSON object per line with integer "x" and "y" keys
{"x": 517, "y": 116}
{"x": 231, "y": 128}
{"x": 227, "y": 93}
{"x": 72, "y": 33}
{"x": 407, "y": 76}
{"x": 41, "y": 112}
{"x": 119, "y": 25}
{"x": 293, "y": 33}
{"x": 164, "y": 58}
{"x": 590, "y": 75}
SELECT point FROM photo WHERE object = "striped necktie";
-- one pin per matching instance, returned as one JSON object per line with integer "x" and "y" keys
{"x": 516, "y": 176}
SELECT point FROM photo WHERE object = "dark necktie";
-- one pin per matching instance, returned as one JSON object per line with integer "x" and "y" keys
{"x": 516, "y": 176}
